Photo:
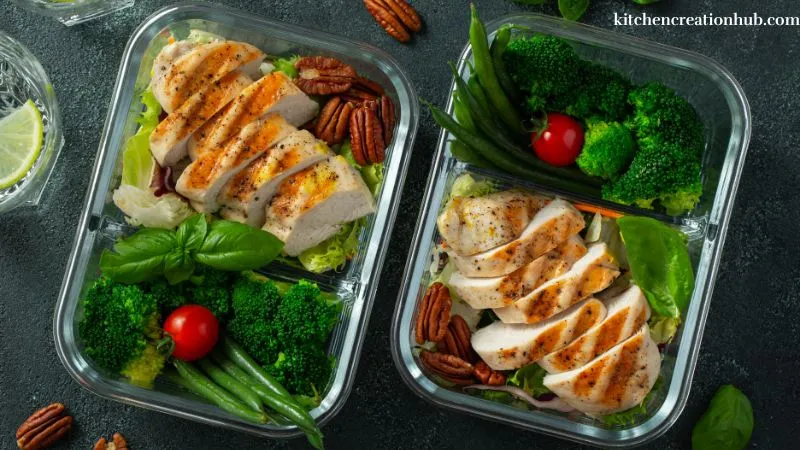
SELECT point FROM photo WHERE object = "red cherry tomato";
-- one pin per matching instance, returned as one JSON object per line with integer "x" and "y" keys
{"x": 194, "y": 331}
{"x": 561, "y": 142}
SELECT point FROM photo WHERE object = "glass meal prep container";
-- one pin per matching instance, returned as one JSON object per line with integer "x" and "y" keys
{"x": 721, "y": 104}
{"x": 101, "y": 222}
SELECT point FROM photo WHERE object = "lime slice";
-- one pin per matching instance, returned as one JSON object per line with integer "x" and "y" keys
{"x": 21, "y": 134}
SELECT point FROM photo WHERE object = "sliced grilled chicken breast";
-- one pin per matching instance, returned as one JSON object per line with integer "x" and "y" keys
{"x": 168, "y": 140}
{"x": 595, "y": 271}
{"x": 311, "y": 205}
{"x": 161, "y": 66}
{"x": 497, "y": 292}
{"x": 246, "y": 195}
{"x": 626, "y": 314}
{"x": 510, "y": 346}
{"x": 204, "y": 178}
{"x": 272, "y": 93}
{"x": 617, "y": 380}
{"x": 551, "y": 226}
{"x": 471, "y": 225}
{"x": 195, "y": 68}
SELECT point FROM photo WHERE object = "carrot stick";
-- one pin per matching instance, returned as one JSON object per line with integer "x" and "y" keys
{"x": 585, "y": 207}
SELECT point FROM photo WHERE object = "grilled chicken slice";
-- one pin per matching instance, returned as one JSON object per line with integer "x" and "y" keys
{"x": 482, "y": 293}
{"x": 272, "y": 93}
{"x": 510, "y": 346}
{"x": 175, "y": 80}
{"x": 595, "y": 271}
{"x": 204, "y": 178}
{"x": 551, "y": 226}
{"x": 245, "y": 197}
{"x": 471, "y": 225}
{"x": 168, "y": 140}
{"x": 311, "y": 205}
{"x": 626, "y": 314}
{"x": 615, "y": 381}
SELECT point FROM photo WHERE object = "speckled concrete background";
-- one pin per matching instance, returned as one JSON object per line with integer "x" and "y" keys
{"x": 750, "y": 339}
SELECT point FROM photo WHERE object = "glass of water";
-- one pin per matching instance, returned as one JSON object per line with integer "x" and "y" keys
{"x": 70, "y": 12}
{"x": 22, "y": 78}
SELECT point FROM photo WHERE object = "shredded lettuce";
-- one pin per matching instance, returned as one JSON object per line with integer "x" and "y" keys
{"x": 466, "y": 186}
{"x": 137, "y": 161}
{"x": 145, "y": 209}
{"x": 530, "y": 379}
{"x": 333, "y": 253}
{"x": 373, "y": 176}
{"x": 286, "y": 65}
{"x": 663, "y": 329}
{"x": 203, "y": 37}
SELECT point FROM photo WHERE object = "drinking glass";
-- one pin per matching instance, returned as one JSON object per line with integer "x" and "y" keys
{"x": 71, "y": 12}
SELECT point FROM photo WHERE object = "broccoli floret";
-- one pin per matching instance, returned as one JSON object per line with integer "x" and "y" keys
{"x": 167, "y": 296}
{"x": 667, "y": 173}
{"x": 602, "y": 93}
{"x": 119, "y": 322}
{"x": 305, "y": 314}
{"x": 302, "y": 369}
{"x": 544, "y": 67}
{"x": 211, "y": 288}
{"x": 607, "y": 149}
{"x": 254, "y": 302}
{"x": 660, "y": 116}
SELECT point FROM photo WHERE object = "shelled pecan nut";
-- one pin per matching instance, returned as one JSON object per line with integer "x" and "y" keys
{"x": 387, "y": 118}
{"x": 434, "y": 314}
{"x": 43, "y": 428}
{"x": 449, "y": 367}
{"x": 366, "y": 135}
{"x": 486, "y": 375}
{"x": 117, "y": 443}
{"x": 457, "y": 340}
{"x": 333, "y": 121}
{"x": 363, "y": 90}
{"x": 323, "y": 75}
{"x": 397, "y": 17}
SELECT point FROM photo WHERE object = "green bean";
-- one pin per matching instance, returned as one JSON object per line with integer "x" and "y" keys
{"x": 461, "y": 111}
{"x": 501, "y": 159}
{"x": 464, "y": 153}
{"x": 206, "y": 388}
{"x": 501, "y": 39}
{"x": 274, "y": 394}
{"x": 231, "y": 384}
{"x": 486, "y": 73}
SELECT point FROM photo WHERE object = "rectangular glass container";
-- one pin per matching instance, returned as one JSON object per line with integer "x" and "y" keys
{"x": 722, "y": 106}
{"x": 101, "y": 222}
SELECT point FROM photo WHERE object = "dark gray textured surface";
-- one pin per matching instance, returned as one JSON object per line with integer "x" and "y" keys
{"x": 751, "y": 334}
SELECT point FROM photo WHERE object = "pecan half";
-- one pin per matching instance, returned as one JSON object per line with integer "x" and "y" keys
{"x": 366, "y": 135}
{"x": 397, "y": 17}
{"x": 363, "y": 90}
{"x": 333, "y": 121}
{"x": 322, "y": 75}
{"x": 387, "y": 118}
{"x": 117, "y": 443}
{"x": 451, "y": 368}
{"x": 456, "y": 340}
{"x": 486, "y": 375}
{"x": 434, "y": 314}
{"x": 43, "y": 428}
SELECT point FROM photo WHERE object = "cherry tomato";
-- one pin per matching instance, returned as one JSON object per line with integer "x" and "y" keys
{"x": 561, "y": 141}
{"x": 194, "y": 331}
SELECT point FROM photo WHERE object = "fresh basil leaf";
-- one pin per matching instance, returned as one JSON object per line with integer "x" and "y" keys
{"x": 530, "y": 378}
{"x": 235, "y": 246}
{"x": 178, "y": 266}
{"x": 728, "y": 422}
{"x": 192, "y": 232}
{"x": 659, "y": 262}
{"x": 572, "y": 9}
{"x": 139, "y": 257}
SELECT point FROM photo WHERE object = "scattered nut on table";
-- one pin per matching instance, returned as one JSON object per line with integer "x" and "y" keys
{"x": 44, "y": 427}
{"x": 117, "y": 443}
{"x": 396, "y": 17}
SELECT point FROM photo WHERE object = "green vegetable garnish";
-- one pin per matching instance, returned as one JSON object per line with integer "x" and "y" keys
{"x": 728, "y": 422}
{"x": 223, "y": 245}
{"x": 629, "y": 417}
{"x": 572, "y": 9}
{"x": 137, "y": 161}
{"x": 333, "y": 253}
{"x": 607, "y": 150}
{"x": 286, "y": 65}
{"x": 659, "y": 263}
{"x": 529, "y": 378}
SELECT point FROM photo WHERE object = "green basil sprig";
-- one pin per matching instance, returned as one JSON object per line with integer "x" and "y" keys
{"x": 728, "y": 422}
{"x": 223, "y": 245}
{"x": 572, "y": 9}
